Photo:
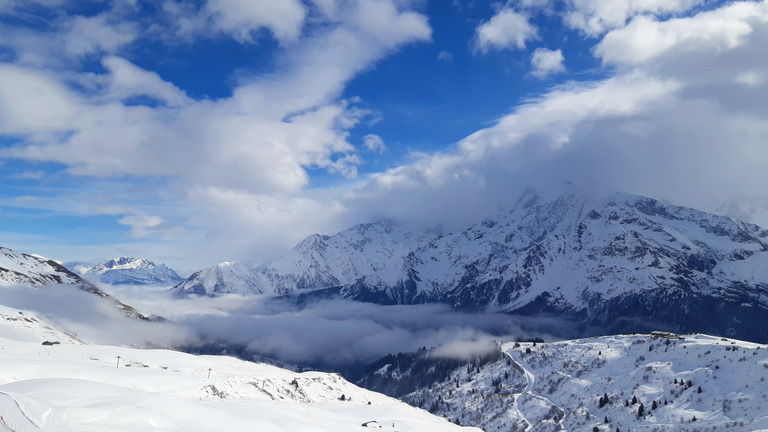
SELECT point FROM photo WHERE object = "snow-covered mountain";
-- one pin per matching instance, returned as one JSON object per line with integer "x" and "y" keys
{"x": 71, "y": 386}
{"x": 223, "y": 278}
{"x": 378, "y": 249}
{"x": 20, "y": 269}
{"x": 127, "y": 271}
{"x": 696, "y": 382}
{"x": 612, "y": 264}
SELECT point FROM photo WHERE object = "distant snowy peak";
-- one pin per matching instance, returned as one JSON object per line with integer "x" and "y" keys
{"x": 223, "y": 278}
{"x": 377, "y": 249}
{"x": 20, "y": 269}
{"x": 123, "y": 263}
{"x": 128, "y": 271}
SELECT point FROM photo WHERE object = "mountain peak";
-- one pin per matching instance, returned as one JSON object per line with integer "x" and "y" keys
{"x": 223, "y": 278}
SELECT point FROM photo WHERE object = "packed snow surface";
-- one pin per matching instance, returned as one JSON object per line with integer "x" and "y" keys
{"x": 68, "y": 385}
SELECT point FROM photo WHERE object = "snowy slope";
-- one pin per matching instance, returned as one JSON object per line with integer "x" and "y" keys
{"x": 223, "y": 278}
{"x": 75, "y": 387}
{"x": 33, "y": 271}
{"x": 18, "y": 268}
{"x": 130, "y": 271}
{"x": 559, "y": 386}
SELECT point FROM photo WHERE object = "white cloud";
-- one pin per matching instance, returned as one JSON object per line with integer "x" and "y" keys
{"x": 546, "y": 62}
{"x": 240, "y": 18}
{"x": 127, "y": 80}
{"x": 466, "y": 350}
{"x": 29, "y": 175}
{"x": 143, "y": 225}
{"x": 89, "y": 35}
{"x": 645, "y": 39}
{"x": 689, "y": 101}
{"x": 445, "y": 56}
{"x": 69, "y": 40}
{"x": 231, "y": 166}
{"x": 595, "y": 17}
{"x": 34, "y": 104}
{"x": 750, "y": 78}
{"x": 507, "y": 29}
{"x": 374, "y": 143}
{"x": 687, "y": 96}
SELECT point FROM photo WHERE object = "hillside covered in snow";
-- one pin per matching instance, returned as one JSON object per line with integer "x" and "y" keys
{"x": 634, "y": 382}
{"x": 67, "y": 385}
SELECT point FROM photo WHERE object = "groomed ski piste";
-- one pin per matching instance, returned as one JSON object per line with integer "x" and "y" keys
{"x": 68, "y": 385}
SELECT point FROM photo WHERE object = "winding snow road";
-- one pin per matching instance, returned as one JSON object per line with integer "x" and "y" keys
{"x": 528, "y": 391}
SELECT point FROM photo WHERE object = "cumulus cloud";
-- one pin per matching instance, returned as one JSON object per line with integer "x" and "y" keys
{"x": 374, "y": 143}
{"x": 546, "y": 62}
{"x": 507, "y": 29}
{"x": 646, "y": 39}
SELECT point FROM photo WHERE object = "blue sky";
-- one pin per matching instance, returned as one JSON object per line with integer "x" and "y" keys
{"x": 193, "y": 132}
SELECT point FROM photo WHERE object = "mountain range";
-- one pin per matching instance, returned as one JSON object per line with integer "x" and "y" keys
{"x": 608, "y": 264}
{"x": 127, "y": 271}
